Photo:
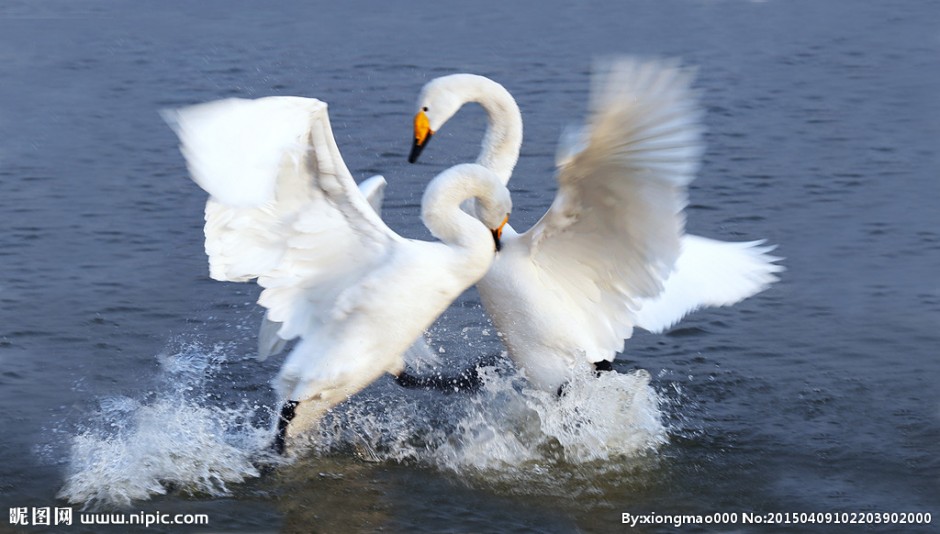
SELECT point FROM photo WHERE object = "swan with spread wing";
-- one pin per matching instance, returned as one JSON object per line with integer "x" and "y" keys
{"x": 285, "y": 210}
{"x": 610, "y": 254}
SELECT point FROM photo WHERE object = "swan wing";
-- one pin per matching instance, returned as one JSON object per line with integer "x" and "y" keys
{"x": 612, "y": 234}
{"x": 374, "y": 190}
{"x": 269, "y": 343}
{"x": 283, "y": 206}
{"x": 709, "y": 273}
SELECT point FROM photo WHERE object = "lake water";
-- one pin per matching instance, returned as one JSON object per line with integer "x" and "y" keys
{"x": 126, "y": 376}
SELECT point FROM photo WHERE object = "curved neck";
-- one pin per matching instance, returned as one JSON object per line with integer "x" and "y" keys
{"x": 440, "y": 207}
{"x": 503, "y": 137}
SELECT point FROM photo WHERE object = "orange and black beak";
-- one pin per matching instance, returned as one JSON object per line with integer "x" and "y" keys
{"x": 423, "y": 135}
{"x": 498, "y": 233}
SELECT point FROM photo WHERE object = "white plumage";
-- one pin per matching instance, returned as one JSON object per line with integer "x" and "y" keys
{"x": 284, "y": 209}
{"x": 708, "y": 273}
{"x": 610, "y": 254}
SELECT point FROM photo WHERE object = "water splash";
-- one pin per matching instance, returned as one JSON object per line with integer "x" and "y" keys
{"x": 507, "y": 431}
{"x": 134, "y": 449}
{"x": 180, "y": 439}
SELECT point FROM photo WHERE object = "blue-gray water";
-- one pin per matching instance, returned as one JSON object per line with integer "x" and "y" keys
{"x": 819, "y": 395}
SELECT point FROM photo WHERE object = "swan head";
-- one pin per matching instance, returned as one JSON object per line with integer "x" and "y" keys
{"x": 438, "y": 102}
{"x": 493, "y": 210}
{"x": 498, "y": 233}
{"x": 423, "y": 133}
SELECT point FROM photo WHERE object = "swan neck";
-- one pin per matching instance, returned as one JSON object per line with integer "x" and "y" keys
{"x": 441, "y": 213}
{"x": 503, "y": 137}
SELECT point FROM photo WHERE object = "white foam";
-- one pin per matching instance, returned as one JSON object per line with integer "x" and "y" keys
{"x": 141, "y": 448}
{"x": 505, "y": 433}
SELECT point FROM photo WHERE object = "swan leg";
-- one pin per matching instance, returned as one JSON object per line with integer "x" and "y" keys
{"x": 288, "y": 412}
{"x": 299, "y": 418}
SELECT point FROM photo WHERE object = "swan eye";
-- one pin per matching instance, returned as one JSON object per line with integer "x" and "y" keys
{"x": 425, "y": 108}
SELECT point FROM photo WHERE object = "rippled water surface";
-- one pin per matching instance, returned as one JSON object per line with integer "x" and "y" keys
{"x": 126, "y": 376}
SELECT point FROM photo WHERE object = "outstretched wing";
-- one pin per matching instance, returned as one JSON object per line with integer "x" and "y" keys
{"x": 283, "y": 207}
{"x": 612, "y": 233}
{"x": 709, "y": 273}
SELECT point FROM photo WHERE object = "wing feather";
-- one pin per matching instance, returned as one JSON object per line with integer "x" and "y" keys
{"x": 612, "y": 233}
{"x": 709, "y": 273}
{"x": 283, "y": 206}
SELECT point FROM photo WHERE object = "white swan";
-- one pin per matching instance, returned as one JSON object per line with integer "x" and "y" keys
{"x": 610, "y": 253}
{"x": 283, "y": 208}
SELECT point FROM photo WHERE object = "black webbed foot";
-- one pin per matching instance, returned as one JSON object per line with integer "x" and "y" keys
{"x": 468, "y": 380}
